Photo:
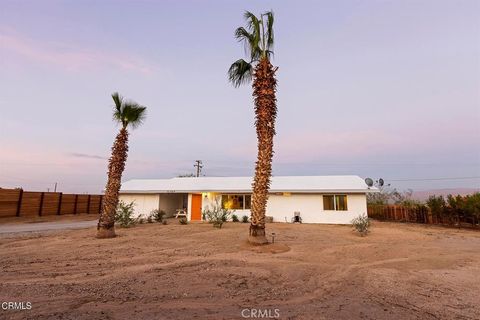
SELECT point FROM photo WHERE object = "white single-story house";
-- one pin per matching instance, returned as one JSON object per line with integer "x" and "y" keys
{"x": 318, "y": 199}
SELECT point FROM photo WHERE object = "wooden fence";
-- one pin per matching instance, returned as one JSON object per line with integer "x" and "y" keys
{"x": 419, "y": 214}
{"x": 19, "y": 203}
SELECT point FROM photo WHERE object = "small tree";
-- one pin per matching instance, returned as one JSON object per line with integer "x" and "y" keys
{"x": 388, "y": 195}
{"x": 472, "y": 205}
{"x": 436, "y": 205}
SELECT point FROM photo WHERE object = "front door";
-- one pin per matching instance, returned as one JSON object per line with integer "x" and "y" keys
{"x": 196, "y": 207}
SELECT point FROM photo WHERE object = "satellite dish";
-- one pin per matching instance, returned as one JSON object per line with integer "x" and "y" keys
{"x": 369, "y": 182}
{"x": 381, "y": 182}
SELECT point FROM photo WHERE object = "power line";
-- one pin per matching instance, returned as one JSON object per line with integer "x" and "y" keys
{"x": 435, "y": 179}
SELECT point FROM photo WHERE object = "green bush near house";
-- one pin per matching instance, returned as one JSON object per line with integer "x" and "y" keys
{"x": 140, "y": 219}
{"x": 124, "y": 214}
{"x": 157, "y": 215}
{"x": 235, "y": 218}
{"x": 217, "y": 215}
{"x": 245, "y": 219}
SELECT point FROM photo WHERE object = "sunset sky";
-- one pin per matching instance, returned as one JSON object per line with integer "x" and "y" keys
{"x": 374, "y": 88}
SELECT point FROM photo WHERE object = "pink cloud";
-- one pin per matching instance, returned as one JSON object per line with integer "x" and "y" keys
{"x": 65, "y": 56}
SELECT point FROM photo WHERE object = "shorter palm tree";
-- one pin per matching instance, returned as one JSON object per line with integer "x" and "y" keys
{"x": 128, "y": 114}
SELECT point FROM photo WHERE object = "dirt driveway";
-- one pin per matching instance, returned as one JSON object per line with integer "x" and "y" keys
{"x": 196, "y": 272}
{"x": 46, "y": 226}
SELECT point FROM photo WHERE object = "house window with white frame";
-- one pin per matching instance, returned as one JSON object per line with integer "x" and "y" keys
{"x": 335, "y": 202}
{"x": 236, "y": 201}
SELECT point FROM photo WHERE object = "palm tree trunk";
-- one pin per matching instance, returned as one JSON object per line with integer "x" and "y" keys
{"x": 116, "y": 165}
{"x": 264, "y": 88}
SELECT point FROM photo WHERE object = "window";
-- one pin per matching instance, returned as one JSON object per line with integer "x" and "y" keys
{"x": 248, "y": 202}
{"x": 341, "y": 202}
{"x": 335, "y": 202}
{"x": 328, "y": 203}
{"x": 236, "y": 201}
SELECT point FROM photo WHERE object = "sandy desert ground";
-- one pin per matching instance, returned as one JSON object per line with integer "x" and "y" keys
{"x": 155, "y": 271}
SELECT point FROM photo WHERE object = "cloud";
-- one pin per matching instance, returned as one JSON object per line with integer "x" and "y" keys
{"x": 89, "y": 156}
{"x": 67, "y": 56}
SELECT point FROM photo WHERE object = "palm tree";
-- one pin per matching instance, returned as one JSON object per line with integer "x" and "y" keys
{"x": 258, "y": 41}
{"x": 126, "y": 113}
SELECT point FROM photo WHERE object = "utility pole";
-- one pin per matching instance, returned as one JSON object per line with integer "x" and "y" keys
{"x": 198, "y": 164}
{"x": 55, "y": 190}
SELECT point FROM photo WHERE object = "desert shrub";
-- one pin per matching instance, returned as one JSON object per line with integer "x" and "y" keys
{"x": 158, "y": 215}
{"x": 361, "y": 224}
{"x": 183, "y": 221}
{"x": 149, "y": 219}
{"x": 235, "y": 218}
{"x": 245, "y": 219}
{"x": 140, "y": 219}
{"x": 217, "y": 215}
{"x": 124, "y": 214}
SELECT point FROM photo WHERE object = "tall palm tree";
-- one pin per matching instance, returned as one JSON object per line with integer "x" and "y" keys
{"x": 128, "y": 114}
{"x": 258, "y": 40}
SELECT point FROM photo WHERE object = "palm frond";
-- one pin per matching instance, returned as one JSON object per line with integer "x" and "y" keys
{"x": 240, "y": 72}
{"x": 128, "y": 113}
{"x": 118, "y": 100}
{"x": 258, "y": 40}
{"x": 254, "y": 25}
{"x": 250, "y": 41}
{"x": 133, "y": 114}
{"x": 269, "y": 33}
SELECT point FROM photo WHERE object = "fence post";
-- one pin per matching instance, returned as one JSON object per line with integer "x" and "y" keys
{"x": 59, "y": 207}
{"x": 41, "y": 204}
{"x": 100, "y": 204}
{"x": 19, "y": 204}
{"x": 88, "y": 204}
{"x": 75, "y": 205}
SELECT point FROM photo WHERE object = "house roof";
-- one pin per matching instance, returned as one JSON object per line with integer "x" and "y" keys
{"x": 294, "y": 184}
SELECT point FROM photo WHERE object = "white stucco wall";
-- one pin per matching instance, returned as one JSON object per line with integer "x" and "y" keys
{"x": 282, "y": 208}
{"x": 144, "y": 203}
{"x": 311, "y": 210}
